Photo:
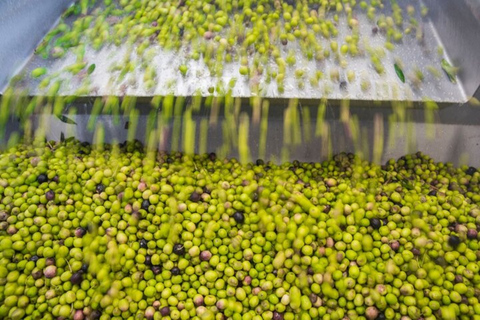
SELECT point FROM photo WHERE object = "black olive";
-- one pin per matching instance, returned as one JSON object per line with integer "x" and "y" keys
{"x": 239, "y": 217}
{"x": 42, "y": 178}
{"x": 292, "y": 3}
{"x": 212, "y": 156}
{"x": 148, "y": 260}
{"x": 471, "y": 171}
{"x": 80, "y": 232}
{"x": 100, "y": 188}
{"x": 143, "y": 243}
{"x": 195, "y": 197}
{"x": 145, "y": 204}
{"x": 260, "y": 162}
{"x": 156, "y": 270}
{"x": 50, "y": 195}
{"x": 452, "y": 226}
{"x": 34, "y": 258}
{"x": 76, "y": 278}
{"x": 50, "y": 261}
{"x": 84, "y": 267}
{"x": 454, "y": 241}
{"x": 277, "y": 315}
{"x": 327, "y": 208}
{"x": 432, "y": 193}
{"x": 175, "y": 271}
{"x": 179, "y": 249}
{"x": 381, "y": 316}
{"x": 95, "y": 315}
{"x": 165, "y": 311}
{"x": 472, "y": 234}
{"x": 375, "y": 223}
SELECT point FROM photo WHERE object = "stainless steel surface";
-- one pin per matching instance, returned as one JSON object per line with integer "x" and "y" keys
{"x": 445, "y": 26}
{"x": 458, "y": 25}
{"x": 23, "y": 24}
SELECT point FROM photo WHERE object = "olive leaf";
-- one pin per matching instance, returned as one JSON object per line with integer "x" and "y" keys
{"x": 450, "y": 70}
{"x": 65, "y": 119}
{"x": 399, "y": 72}
{"x": 91, "y": 68}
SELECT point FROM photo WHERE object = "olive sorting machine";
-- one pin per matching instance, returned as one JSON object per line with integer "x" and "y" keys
{"x": 452, "y": 25}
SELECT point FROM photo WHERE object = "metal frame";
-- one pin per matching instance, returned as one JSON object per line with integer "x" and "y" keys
{"x": 23, "y": 24}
